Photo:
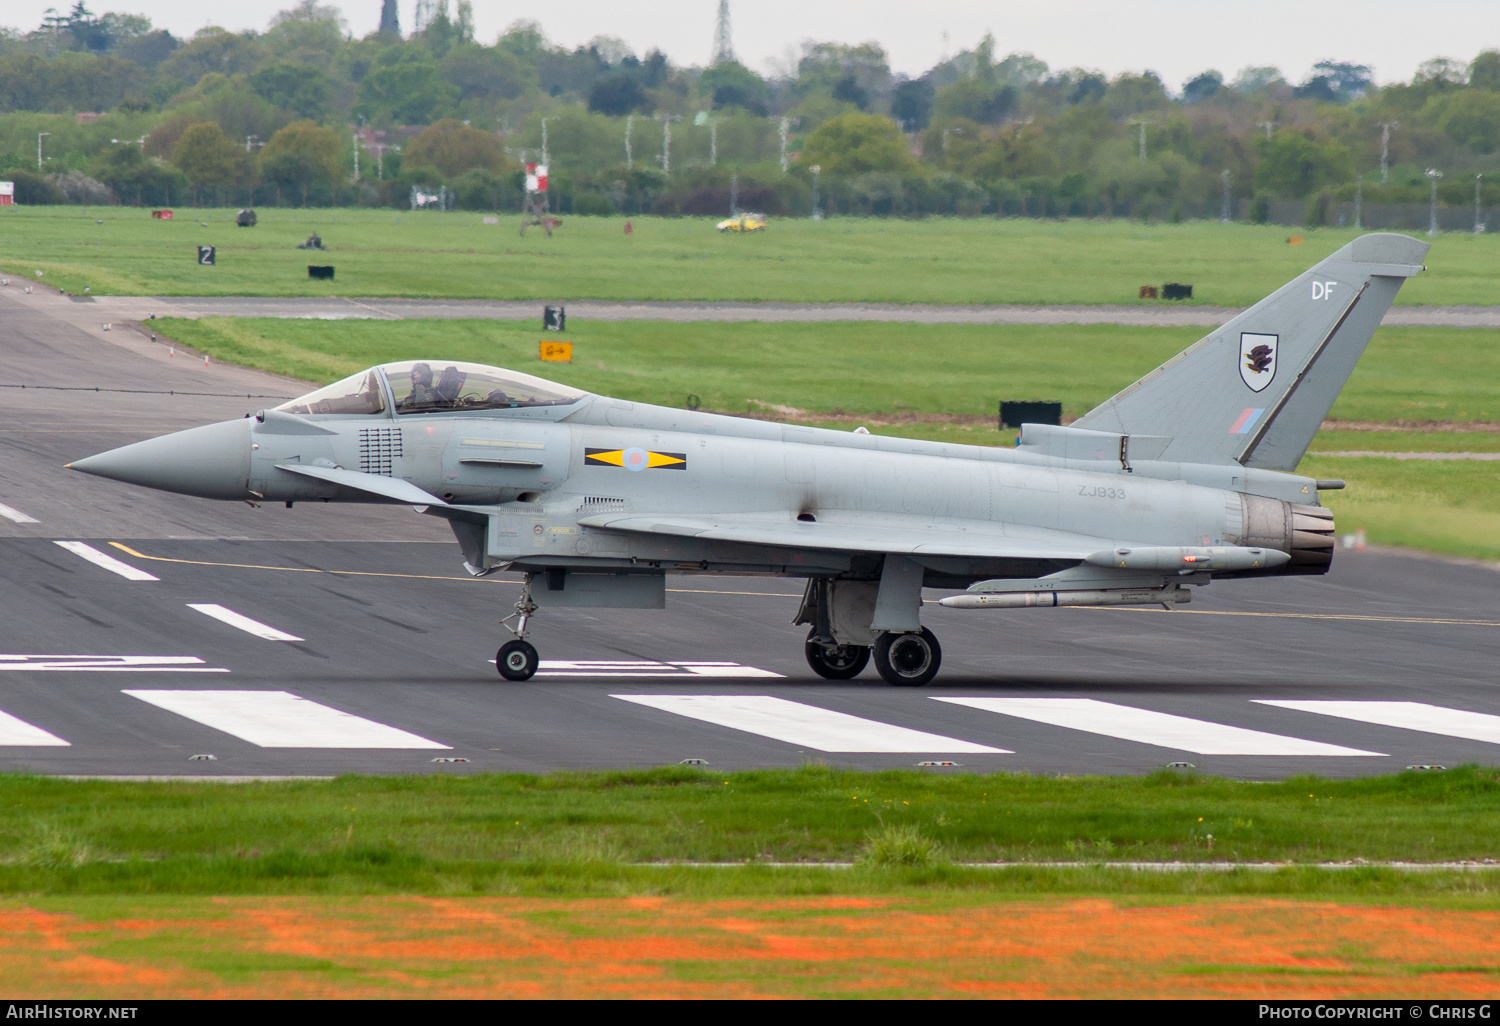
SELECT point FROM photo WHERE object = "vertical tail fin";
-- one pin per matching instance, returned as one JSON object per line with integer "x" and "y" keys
{"x": 1255, "y": 390}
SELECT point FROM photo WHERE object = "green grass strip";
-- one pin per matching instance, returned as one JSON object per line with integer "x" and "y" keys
{"x": 592, "y": 832}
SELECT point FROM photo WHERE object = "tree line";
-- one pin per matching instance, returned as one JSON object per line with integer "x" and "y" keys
{"x": 108, "y": 108}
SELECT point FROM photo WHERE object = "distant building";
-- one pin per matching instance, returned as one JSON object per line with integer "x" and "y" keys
{"x": 390, "y": 20}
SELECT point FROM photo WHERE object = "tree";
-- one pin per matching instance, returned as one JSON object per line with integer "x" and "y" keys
{"x": 1294, "y": 165}
{"x": 731, "y": 84}
{"x": 617, "y": 96}
{"x": 485, "y": 73}
{"x": 302, "y": 156}
{"x": 206, "y": 156}
{"x": 211, "y": 49}
{"x": 1256, "y": 79}
{"x": 824, "y": 65}
{"x": 975, "y": 99}
{"x": 408, "y": 93}
{"x": 911, "y": 104}
{"x": 1349, "y": 81}
{"x": 453, "y": 148}
{"x": 856, "y": 143}
{"x": 1471, "y": 118}
{"x": 1201, "y": 87}
{"x": 1319, "y": 88}
{"x": 302, "y": 89}
{"x": 1484, "y": 71}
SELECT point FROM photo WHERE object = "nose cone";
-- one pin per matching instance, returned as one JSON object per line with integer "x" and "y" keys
{"x": 211, "y": 461}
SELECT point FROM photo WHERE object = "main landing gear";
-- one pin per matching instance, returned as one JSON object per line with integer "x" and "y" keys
{"x": 835, "y": 662}
{"x": 518, "y": 659}
{"x": 905, "y": 660}
{"x": 908, "y": 660}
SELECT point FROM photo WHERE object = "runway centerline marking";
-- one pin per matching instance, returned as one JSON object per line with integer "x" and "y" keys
{"x": 279, "y": 719}
{"x": 242, "y": 621}
{"x": 15, "y": 515}
{"x": 19, "y": 733}
{"x": 807, "y": 725}
{"x": 596, "y": 668}
{"x": 1419, "y": 716}
{"x": 107, "y": 664}
{"x": 106, "y": 561}
{"x": 1146, "y": 726}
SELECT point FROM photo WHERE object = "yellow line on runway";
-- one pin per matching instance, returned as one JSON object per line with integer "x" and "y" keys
{"x": 298, "y": 569}
{"x": 1301, "y": 616}
{"x": 716, "y": 591}
{"x": 783, "y": 594}
{"x": 416, "y": 577}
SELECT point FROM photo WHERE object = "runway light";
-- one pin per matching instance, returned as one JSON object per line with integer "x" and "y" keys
{"x": 694, "y": 762}
{"x": 1426, "y": 766}
{"x": 1180, "y": 765}
{"x": 450, "y": 758}
{"x": 938, "y": 762}
{"x": 205, "y": 757}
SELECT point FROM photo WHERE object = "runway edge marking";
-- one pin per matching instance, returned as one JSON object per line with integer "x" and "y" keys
{"x": 1147, "y": 726}
{"x": 1418, "y": 716}
{"x": 107, "y": 562}
{"x": 807, "y": 725}
{"x": 242, "y": 622}
{"x": 279, "y": 719}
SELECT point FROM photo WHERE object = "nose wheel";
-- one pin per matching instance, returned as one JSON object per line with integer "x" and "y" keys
{"x": 908, "y": 660}
{"x": 518, "y": 659}
{"x": 835, "y": 662}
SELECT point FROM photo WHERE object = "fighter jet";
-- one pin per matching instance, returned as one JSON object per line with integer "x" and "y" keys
{"x": 1183, "y": 478}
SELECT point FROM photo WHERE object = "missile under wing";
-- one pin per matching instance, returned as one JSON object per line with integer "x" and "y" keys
{"x": 1183, "y": 477}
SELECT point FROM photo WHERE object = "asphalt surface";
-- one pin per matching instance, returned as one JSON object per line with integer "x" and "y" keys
{"x": 339, "y": 308}
{"x": 105, "y": 675}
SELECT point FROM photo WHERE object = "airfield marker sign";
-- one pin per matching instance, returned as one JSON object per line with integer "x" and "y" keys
{"x": 555, "y": 352}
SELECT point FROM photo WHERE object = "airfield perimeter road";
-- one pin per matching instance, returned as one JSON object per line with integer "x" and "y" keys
{"x": 339, "y": 308}
{"x": 392, "y": 670}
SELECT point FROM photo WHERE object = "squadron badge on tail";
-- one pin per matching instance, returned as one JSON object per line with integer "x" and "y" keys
{"x": 1257, "y": 360}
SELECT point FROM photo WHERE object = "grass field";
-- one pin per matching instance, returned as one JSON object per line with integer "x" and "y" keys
{"x": 887, "y": 369}
{"x": 927, "y": 944}
{"x": 432, "y": 254}
{"x": 943, "y": 381}
{"x": 599, "y": 833}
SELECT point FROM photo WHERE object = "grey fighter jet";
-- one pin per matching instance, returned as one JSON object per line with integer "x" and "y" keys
{"x": 1183, "y": 477}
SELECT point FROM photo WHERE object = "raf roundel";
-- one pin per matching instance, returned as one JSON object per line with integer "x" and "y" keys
{"x": 635, "y": 459}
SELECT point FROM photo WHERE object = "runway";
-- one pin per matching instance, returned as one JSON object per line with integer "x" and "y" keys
{"x": 339, "y": 308}
{"x": 329, "y": 639}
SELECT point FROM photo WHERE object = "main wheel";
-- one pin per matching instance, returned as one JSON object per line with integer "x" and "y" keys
{"x": 908, "y": 660}
{"x": 517, "y": 660}
{"x": 836, "y": 662}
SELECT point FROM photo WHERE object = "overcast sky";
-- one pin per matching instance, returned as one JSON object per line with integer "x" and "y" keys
{"x": 1175, "y": 38}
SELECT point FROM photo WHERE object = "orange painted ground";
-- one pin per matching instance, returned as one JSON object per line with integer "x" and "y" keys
{"x": 662, "y": 947}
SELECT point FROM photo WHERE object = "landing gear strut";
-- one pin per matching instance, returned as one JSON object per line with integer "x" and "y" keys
{"x": 835, "y": 662}
{"x": 908, "y": 660}
{"x": 518, "y": 659}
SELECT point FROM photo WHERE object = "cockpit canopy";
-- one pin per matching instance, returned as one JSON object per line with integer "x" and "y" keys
{"x": 421, "y": 386}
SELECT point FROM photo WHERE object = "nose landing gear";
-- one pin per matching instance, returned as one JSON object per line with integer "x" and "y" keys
{"x": 518, "y": 660}
{"x": 908, "y": 660}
